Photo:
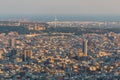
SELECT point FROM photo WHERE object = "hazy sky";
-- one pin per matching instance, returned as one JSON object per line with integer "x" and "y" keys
{"x": 103, "y": 7}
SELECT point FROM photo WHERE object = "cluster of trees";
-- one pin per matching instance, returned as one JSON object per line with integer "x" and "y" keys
{"x": 76, "y": 30}
{"x": 7, "y": 29}
{"x": 81, "y": 30}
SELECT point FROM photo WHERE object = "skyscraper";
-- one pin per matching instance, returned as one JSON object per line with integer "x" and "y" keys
{"x": 85, "y": 42}
{"x": 27, "y": 54}
{"x": 12, "y": 42}
{"x": 1, "y": 52}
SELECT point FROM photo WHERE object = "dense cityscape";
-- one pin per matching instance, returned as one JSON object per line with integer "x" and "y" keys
{"x": 59, "y": 40}
{"x": 59, "y": 55}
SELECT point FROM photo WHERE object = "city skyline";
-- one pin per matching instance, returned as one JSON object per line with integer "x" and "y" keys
{"x": 54, "y": 7}
{"x": 59, "y": 40}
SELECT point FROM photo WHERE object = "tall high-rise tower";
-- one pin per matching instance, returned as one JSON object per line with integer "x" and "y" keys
{"x": 56, "y": 21}
{"x": 12, "y": 42}
{"x": 85, "y": 46}
{"x": 27, "y": 54}
{"x": 1, "y": 52}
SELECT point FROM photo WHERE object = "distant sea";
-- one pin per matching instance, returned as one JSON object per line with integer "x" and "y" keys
{"x": 49, "y": 18}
